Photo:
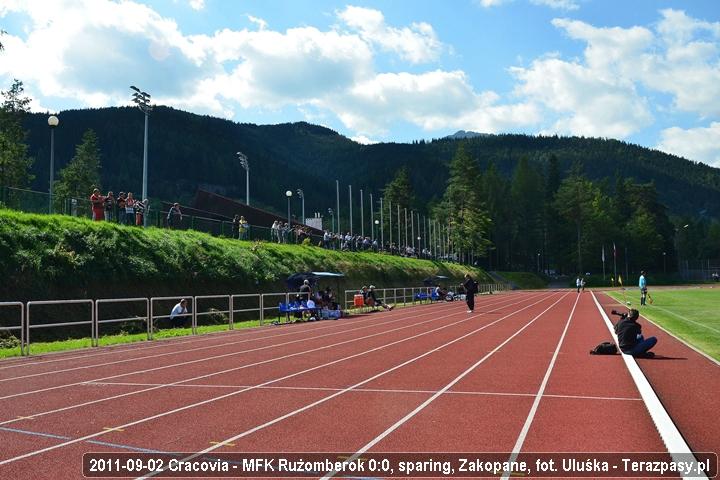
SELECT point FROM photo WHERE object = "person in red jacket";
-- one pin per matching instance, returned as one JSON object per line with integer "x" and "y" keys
{"x": 98, "y": 205}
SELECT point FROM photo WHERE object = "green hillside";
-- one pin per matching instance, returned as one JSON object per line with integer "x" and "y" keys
{"x": 53, "y": 256}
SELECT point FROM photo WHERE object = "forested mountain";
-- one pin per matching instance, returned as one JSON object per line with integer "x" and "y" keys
{"x": 532, "y": 191}
{"x": 188, "y": 150}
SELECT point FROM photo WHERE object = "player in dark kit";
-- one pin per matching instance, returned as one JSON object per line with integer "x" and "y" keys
{"x": 471, "y": 288}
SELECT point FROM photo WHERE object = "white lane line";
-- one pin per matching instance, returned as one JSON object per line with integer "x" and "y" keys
{"x": 440, "y": 392}
{"x": 205, "y": 359}
{"x": 368, "y": 390}
{"x": 671, "y": 436}
{"x": 159, "y": 386}
{"x": 536, "y": 403}
{"x": 214, "y": 399}
{"x": 655, "y": 307}
{"x": 174, "y": 352}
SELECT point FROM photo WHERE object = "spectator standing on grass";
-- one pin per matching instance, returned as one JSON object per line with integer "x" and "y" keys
{"x": 471, "y": 287}
{"x": 630, "y": 339}
{"x": 244, "y": 227}
{"x": 109, "y": 204}
{"x": 179, "y": 314}
{"x": 129, "y": 209}
{"x": 140, "y": 212}
{"x": 235, "y": 232}
{"x": 174, "y": 216}
{"x": 98, "y": 208}
{"x": 642, "y": 283}
{"x": 120, "y": 208}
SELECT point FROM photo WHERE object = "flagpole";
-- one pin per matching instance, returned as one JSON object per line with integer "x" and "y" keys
{"x": 614, "y": 262}
{"x": 603, "y": 259}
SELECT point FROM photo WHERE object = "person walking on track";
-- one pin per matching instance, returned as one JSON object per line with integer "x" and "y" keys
{"x": 471, "y": 288}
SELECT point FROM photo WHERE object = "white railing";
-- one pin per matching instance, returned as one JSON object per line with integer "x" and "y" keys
{"x": 265, "y": 302}
{"x": 104, "y": 301}
{"x": 20, "y": 327}
{"x": 29, "y": 326}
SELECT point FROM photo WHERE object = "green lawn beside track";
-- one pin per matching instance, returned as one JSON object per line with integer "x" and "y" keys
{"x": 692, "y": 314}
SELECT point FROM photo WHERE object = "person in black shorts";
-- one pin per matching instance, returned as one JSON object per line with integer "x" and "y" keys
{"x": 471, "y": 288}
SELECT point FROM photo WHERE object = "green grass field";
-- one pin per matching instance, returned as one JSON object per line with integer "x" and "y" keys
{"x": 692, "y": 314}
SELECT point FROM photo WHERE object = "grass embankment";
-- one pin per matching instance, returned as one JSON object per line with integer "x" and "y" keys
{"x": 524, "y": 280}
{"x": 692, "y": 314}
{"x": 60, "y": 257}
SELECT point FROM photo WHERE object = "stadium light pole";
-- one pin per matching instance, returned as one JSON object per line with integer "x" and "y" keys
{"x": 337, "y": 203}
{"x": 382, "y": 226}
{"x": 664, "y": 264}
{"x": 350, "y": 198}
{"x": 53, "y": 122}
{"x": 362, "y": 215}
{"x": 142, "y": 100}
{"x": 372, "y": 219}
{"x": 288, "y": 194}
{"x": 301, "y": 196}
{"x": 246, "y": 165}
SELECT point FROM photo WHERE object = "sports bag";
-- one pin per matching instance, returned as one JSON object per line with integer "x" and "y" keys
{"x": 605, "y": 348}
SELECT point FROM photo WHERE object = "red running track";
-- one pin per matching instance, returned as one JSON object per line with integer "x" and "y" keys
{"x": 514, "y": 376}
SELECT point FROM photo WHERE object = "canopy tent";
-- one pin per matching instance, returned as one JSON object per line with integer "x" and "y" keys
{"x": 295, "y": 281}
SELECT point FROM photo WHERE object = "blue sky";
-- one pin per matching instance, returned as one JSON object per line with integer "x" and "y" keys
{"x": 646, "y": 72}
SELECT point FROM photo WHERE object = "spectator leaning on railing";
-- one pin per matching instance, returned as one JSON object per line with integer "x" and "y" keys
{"x": 109, "y": 204}
{"x": 174, "y": 216}
{"x": 98, "y": 209}
{"x": 129, "y": 209}
{"x": 120, "y": 208}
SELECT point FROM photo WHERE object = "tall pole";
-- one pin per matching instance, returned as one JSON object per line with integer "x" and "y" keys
{"x": 399, "y": 238}
{"x": 362, "y": 215}
{"x": 406, "y": 229}
{"x": 382, "y": 226}
{"x": 350, "y": 195}
{"x": 142, "y": 100}
{"x": 244, "y": 163}
{"x": 372, "y": 219}
{"x": 337, "y": 207}
{"x": 390, "y": 224}
{"x": 52, "y": 164}
{"x": 52, "y": 122}
{"x": 412, "y": 228}
{"x": 145, "y": 157}
{"x": 419, "y": 230}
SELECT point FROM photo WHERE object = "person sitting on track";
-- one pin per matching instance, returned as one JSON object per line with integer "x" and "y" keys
{"x": 179, "y": 314}
{"x": 630, "y": 339}
{"x": 372, "y": 300}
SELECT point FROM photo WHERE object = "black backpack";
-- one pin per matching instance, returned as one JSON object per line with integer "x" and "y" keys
{"x": 605, "y": 348}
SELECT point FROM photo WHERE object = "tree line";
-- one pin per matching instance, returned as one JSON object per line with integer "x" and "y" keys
{"x": 515, "y": 201}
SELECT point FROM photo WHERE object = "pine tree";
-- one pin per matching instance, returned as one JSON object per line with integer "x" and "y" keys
{"x": 15, "y": 163}
{"x": 82, "y": 174}
{"x": 464, "y": 211}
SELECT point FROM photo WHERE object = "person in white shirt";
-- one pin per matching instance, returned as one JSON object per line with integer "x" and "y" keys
{"x": 179, "y": 314}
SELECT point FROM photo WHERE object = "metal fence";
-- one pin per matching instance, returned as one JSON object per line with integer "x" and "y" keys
{"x": 354, "y": 299}
{"x": 145, "y": 313}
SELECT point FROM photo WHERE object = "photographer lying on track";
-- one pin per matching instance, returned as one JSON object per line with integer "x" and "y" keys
{"x": 630, "y": 340}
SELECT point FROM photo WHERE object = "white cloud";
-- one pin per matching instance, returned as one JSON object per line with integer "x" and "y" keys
{"x": 699, "y": 144}
{"x": 363, "y": 140}
{"x": 432, "y": 101}
{"x": 417, "y": 43}
{"x": 197, "y": 4}
{"x": 492, "y": 3}
{"x": 557, "y": 4}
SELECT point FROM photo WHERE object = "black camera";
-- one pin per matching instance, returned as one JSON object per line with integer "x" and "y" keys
{"x": 621, "y": 315}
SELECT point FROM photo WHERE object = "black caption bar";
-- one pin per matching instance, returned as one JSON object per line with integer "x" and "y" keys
{"x": 400, "y": 465}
